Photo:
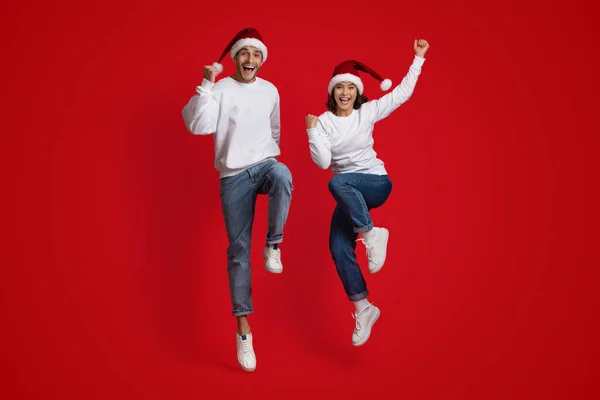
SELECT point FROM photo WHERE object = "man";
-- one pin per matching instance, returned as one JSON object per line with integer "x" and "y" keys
{"x": 242, "y": 113}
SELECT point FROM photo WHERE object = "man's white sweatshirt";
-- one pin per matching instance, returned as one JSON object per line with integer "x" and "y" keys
{"x": 243, "y": 118}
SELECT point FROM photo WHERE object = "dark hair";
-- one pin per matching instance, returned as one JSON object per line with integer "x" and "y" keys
{"x": 332, "y": 105}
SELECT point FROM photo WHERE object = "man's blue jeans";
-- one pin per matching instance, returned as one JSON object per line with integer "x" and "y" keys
{"x": 238, "y": 199}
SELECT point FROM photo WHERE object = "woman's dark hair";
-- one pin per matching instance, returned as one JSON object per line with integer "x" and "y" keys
{"x": 332, "y": 105}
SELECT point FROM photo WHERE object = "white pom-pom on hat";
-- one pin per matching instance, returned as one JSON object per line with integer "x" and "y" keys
{"x": 218, "y": 66}
{"x": 386, "y": 84}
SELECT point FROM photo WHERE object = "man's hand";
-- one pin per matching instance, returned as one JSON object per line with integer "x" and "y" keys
{"x": 311, "y": 121}
{"x": 421, "y": 46}
{"x": 210, "y": 73}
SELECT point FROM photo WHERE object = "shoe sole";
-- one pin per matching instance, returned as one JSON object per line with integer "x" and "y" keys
{"x": 247, "y": 369}
{"x": 387, "y": 236}
{"x": 377, "y": 314}
{"x": 273, "y": 271}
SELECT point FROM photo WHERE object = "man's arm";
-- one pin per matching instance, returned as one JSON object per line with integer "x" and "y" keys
{"x": 201, "y": 113}
{"x": 276, "y": 121}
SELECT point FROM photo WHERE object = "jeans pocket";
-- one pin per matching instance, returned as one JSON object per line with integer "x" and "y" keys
{"x": 226, "y": 184}
{"x": 232, "y": 188}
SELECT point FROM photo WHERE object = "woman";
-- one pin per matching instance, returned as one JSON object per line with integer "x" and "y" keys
{"x": 342, "y": 138}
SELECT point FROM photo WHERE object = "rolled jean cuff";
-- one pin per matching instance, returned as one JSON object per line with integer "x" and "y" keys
{"x": 360, "y": 296}
{"x": 275, "y": 240}
{"x": 361, "y": 229}
{"x": 242, "y": 311}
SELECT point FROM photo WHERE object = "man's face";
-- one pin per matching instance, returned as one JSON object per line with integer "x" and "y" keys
{"x": 247, "y": 62}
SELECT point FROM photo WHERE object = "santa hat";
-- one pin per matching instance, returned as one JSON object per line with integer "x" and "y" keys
{"x": 347, "y": 71}
{"x": 245, "y": 37}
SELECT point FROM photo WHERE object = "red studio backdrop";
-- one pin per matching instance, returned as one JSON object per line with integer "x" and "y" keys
{"x": 113, "y": 279}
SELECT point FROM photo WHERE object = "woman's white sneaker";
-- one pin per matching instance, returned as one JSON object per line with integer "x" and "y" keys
{"x": 364, "y": 322}
{"x": 376, "y": 246}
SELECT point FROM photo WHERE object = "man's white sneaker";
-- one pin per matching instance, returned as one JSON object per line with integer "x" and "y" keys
{"x": 376, "y": 248}
{"x": 272, "y": 259}
{"x": 364, "y": 322}
{"x": 245, "y": 352}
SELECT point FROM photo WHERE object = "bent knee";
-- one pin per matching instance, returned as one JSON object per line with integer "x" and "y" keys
{"x": 282, "y": 174}
{"x": 335, "y": 183}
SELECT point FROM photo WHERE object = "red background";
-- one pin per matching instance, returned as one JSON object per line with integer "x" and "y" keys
{"x": 114, "y": 279}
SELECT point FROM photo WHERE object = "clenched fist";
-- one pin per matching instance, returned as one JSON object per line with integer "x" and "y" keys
{"x": 311, "y": 121}
{"x": 421, "y": 46}
{"x": 210, "y": 73}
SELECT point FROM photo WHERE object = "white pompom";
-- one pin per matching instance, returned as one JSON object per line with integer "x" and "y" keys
{"x": 385, "y": 84}
{"x": 218, "y": 66}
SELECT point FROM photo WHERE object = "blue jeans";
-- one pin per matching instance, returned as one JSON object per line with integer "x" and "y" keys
{"x": 238, "y": 200}
{"x": 355, "y": 194}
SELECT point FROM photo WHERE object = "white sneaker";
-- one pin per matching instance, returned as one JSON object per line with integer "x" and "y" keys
{"x": 245, "y": 352}
{"x": 273, "y": 260}
{"x": 376, "y": 248}
{"x": 364, "y": 322}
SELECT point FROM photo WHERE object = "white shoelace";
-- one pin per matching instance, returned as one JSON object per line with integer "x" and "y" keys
{"x": 356, "y": 315}
{"x": 369, "y": 246}
{"x": 246, "y": 346}
{"x": 274, "y": 254}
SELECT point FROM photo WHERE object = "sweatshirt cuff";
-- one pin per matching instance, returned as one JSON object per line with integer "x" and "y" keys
{"x": 205, "y": 88}
{"x": 418, "y": 61}
{"x": 312, "y": 131}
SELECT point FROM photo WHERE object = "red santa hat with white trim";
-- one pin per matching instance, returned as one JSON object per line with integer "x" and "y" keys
{"x": 245, "y": 37}
{"x": 347, "y": 71}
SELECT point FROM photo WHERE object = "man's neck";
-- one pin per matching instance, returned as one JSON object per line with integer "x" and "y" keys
{"x": 236, "y": 77}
